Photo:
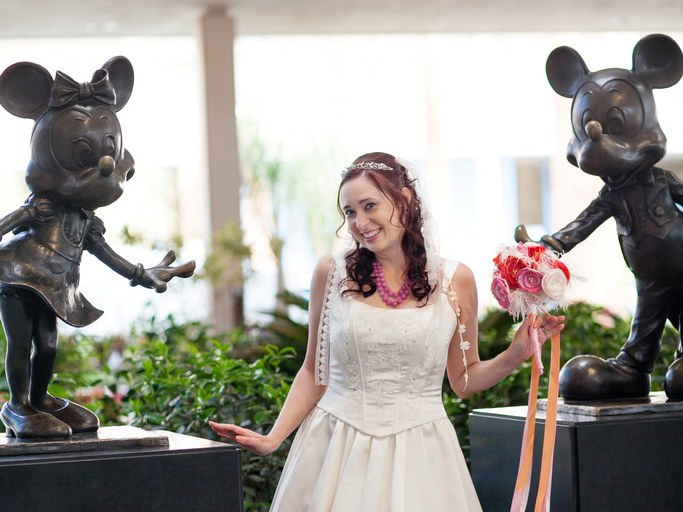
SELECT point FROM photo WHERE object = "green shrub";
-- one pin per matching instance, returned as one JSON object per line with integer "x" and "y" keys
{"x": 181, "y": 386}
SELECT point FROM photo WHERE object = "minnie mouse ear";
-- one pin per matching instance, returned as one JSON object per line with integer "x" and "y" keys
{"x": 121, "y": 76}
{"x": 25, "y": 89}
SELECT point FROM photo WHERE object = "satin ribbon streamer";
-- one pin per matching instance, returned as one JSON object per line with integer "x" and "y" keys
{"x": 521, "y": 494}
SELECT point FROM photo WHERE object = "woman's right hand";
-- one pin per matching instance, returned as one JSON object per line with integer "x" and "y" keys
{"x": 252, "y": 441}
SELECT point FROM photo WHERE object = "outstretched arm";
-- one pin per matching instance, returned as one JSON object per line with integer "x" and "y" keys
{"x": 304, "y": 393}
{"x": 19, "y": 217}
{"x": 485, "y": 374}
{"x": 155, "y": 277}
{"x": 577, "y": 230}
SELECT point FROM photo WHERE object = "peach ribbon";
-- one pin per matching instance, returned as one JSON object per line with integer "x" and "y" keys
{"x": 521, "y": 494}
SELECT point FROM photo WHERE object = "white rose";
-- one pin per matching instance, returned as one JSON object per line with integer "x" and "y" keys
{"x": 554, "y": 283}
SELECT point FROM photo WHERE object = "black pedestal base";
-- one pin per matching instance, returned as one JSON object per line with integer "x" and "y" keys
{"x": 603, "y": 463}
{"x": 106, "y": 438}
{"x": 190, "y": 475}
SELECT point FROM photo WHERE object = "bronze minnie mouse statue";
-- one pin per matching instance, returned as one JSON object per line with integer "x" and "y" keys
{"x": 77, "y": 165}
{"x": 616, "y": 137}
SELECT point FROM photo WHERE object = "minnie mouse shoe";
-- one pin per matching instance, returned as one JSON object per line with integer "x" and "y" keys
{"x": 29, "y": 423}
{"x": 76, "y": 416}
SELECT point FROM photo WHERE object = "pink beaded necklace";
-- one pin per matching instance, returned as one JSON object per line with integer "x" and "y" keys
{"x": 391, "y": 299}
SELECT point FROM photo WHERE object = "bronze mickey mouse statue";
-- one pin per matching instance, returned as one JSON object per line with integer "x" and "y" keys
{"x": 77, "y": 165}
{"x": 616, "y": 136}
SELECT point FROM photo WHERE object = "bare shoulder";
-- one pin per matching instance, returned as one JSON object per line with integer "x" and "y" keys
{"x": 463, "y": 277}
{"x": 465, "y": 287}
{"x": 318, "y": 284}
{"x": 321, "y": 271}
{"x": 323, "y": 266}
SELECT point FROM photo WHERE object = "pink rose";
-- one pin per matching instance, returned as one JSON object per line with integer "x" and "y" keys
{"x": 501, "y": 291}
{"x": 529, "y": 280}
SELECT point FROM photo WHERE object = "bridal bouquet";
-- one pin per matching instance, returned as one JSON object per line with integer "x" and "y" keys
{"x": 529, "y": 278}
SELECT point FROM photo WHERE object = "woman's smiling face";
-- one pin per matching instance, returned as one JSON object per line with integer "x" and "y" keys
{"x": 371, "y": 217}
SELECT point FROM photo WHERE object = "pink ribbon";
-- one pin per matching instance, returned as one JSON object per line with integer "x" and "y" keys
{"x": 521, "y": 492}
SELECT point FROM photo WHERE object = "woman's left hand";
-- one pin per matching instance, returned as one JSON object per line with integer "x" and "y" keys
{"x": 546, "y": 326}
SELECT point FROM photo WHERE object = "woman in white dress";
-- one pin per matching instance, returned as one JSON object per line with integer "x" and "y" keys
{"x": 387, "y": 318}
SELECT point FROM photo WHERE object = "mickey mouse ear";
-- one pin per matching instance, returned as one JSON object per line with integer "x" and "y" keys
{"x": 25, "y": 89}
{"x": 565, "y": 70}
{"x": 658, "y": 60}
{"x": 121, "y": 76}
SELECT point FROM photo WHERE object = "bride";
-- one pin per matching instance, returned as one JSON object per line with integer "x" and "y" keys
{"x": 387, "y": 318}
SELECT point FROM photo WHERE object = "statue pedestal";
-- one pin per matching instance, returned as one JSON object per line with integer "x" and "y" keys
{"x": 120, "y": 469}
{"x": 621, "y": 456}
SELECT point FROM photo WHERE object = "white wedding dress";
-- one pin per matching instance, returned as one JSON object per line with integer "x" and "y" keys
{"x": 379, "y": 439}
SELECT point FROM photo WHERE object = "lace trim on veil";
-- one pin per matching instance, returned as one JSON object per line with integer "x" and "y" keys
{"x": 322, "y": 352}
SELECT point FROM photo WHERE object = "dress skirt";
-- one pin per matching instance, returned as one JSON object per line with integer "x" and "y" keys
{"x": 333, "y": 467}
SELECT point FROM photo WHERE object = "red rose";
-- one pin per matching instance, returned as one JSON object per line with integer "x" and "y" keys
{"x": 536, "y": 252}
{"x": 509, "y": 269}
{"x": 563, "y": 268}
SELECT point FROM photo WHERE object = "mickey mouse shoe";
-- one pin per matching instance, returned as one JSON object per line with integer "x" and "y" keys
{"x": 590, "y": 377}
{"x": 673, "y": 382}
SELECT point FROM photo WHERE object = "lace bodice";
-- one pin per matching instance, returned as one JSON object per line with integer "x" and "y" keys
{"x": 386, "y": 366}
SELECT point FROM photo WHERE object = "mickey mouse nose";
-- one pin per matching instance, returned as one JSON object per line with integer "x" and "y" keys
{"x": 594, "y": 130}
{"x": 106, "y": 166}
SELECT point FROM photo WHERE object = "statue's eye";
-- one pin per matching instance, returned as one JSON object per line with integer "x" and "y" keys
{"x": 109, "y": 146}
{"x": 587, "y": 117}
{"x": 616, "y": 121}
{"x": 83, "y": 154}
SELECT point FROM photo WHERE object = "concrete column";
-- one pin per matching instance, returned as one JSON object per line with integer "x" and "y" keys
{"x": 217, "y": 37}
